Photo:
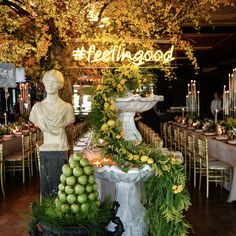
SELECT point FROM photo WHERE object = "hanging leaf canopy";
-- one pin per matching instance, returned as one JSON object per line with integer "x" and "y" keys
{"x": 42, "y": 34}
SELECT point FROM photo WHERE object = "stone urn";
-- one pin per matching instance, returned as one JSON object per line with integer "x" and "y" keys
{"x": 128, "y": 106}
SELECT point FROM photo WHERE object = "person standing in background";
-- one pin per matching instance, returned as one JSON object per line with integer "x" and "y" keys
{"x": 216, "y": 104}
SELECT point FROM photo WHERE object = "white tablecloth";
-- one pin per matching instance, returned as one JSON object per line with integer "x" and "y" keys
{"x": 227, "y": 153}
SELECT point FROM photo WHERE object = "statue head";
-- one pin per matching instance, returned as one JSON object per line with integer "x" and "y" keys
{"x": 53, "y": 75}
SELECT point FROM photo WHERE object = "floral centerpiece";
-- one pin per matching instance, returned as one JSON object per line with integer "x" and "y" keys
{"x": 209, "y": 125}
{"x": 167, "y": 195}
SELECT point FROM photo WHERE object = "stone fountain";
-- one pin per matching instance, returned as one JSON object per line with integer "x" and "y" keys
{"x": 127, "y": 188}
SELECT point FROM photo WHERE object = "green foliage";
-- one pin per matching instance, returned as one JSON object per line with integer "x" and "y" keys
{"x": 94, "y": 223}
{"x": 167, "y": 198}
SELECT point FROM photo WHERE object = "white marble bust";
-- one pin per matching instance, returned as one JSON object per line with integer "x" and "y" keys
{"x": 53, "y": 114}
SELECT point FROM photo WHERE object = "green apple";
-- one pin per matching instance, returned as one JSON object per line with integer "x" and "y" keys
{"x": 71, "y": 180}
{"x": 91, "y": 179}
{"x": 61, "y": 187}
{"x": 74, "y": 208}
{"x": 79, "y": 189}
{"x": 63, "y": 179}
{"x": 84, "y": 162}
{"x": 78, "y": 171}
{"x": 71, "y": 198}
{"x": 92, "y": 196}
{"x": 95, "y": 187}
{"x": 83, "y": 180}
{"x": 66, "y": 170}
{"x": 82, "y": 198}
{"x": 88, "y": 170}
{"x": 77, "y": 156}
{"x": 69, "y": 189}
{"x": 73, "y": 163}
{"x": 65, "y": 208}
{"x": 62, "y": 197}
{"x": 89, "y": 188}
{"x": 85, "y": 207}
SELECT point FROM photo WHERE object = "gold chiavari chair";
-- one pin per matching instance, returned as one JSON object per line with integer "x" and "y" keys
{"x": 164, "y": 133}
{"x": 169, "y": 136}
{"x": 1, "y": 168}
{"x": 183, "y": 146}
{"x": 21, "y": 160}
{"x": 192, "y": 160}
{"x": 214, "y": 171}
{"x": 33, "y": 151}
{"x": 175, "y": 140}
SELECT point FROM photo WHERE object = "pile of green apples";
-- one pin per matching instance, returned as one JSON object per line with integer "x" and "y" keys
{"x": 77, "y": 188}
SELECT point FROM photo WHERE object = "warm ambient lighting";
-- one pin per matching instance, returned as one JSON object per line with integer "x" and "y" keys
{"x": 119, "y": 53}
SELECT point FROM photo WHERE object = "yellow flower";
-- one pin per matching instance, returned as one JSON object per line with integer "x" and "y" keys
{"x": 106, "y": 105}
{"x": 111, "y": 123}
{"x": 150, "y": 161}
{"x": 104, "y": 127}
{"x": 136, "y": 157}
{"x": 112, "y": 107}
{"x": 144, "y": 158}
{"x": 118, "y": 136}
{"x": 99, "y": 87}
{"x": 122, "y": 133}
{"x": 177, "y": 188}
{"x": 130, "y": 157}
{"x": 123, "y": 81}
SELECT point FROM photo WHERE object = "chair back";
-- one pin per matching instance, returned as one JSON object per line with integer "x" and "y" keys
{"x": 203, "y": 149}
{"x": 176, "y": 138}
{"x": 1, "y": 168}
{"x": 191, "y": 146}
{"x": 169, "y": 136}
{"x": 182, "y": 140}
{"x": 25, "y": 138}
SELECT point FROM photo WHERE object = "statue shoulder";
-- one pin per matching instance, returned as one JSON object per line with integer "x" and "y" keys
{"x": 36, "y": 106}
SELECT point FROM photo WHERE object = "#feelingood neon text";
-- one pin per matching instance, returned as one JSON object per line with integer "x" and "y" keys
{"x": 119, "y": 53}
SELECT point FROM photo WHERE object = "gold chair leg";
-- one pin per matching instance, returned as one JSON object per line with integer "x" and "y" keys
{"x": 194, "y": 174}
{"x": 200, "y": 179}
{"x": 207, "y": 184}
{"x": 2, "y": 180}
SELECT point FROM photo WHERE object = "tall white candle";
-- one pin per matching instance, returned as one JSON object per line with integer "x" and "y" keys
{"x": 198, "y": 103}
{"x": 187, "y": 105}
{"x": 5, "y": 119}
{"x": 216, "y": 113}
{"x": 13, "y": 96}
{"x": 183, "y": 113}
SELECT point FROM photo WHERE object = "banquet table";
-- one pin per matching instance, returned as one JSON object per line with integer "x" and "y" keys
{"x": 225, "y": 152}
{"x": 220, "y": 150}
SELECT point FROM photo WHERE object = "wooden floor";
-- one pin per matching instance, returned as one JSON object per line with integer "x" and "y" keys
{"x": 212, "y": 217}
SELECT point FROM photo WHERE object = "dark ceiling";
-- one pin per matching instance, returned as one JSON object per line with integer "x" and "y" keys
{"x": 215, "y": 48}
{"x": 215, "y": 44}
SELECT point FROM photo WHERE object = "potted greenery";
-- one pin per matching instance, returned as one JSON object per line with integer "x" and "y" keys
{"x": 76, "y": 210}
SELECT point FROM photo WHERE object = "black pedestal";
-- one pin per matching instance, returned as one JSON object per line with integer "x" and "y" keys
{"x": 51, "y": 163}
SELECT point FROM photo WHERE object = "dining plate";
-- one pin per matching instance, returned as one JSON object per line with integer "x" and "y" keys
{"x": 221, "y": 138}
{"x": 232, "y": 141}
{"x": 209, "y": 133}
{"x": 190, "y": 127}
{"x": 18, "y": 133}
{"x": 199, "y": 130}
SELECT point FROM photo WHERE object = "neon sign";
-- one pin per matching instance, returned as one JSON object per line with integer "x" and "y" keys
{"x": 119, "y": 53}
